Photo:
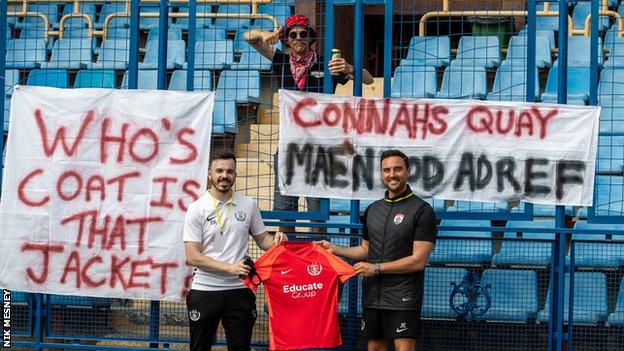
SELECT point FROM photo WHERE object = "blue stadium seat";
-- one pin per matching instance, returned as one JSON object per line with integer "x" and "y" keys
{"x": 611, "y": 86}
{"x": 513, "y": 295}
{"x": 233, "y": 23}
{"x": 202, "y": 80}
{"x": 210, "y": 34}
{"x": 344, "y": 206}
{"x": 476, "y": 248}
{"x": 109, "y": 9}
{"x": 77, "y": 301}
{"x": 25, "y": 53}
{"x": 463, "y": 82}
{"x": 542, "y": 33}
{"x": 579, "y": 53}
{"x": 239, "y": 86}
{"x": 113, "y": 54}
{"x": 147, "y": 80}
{"x": 118, "y": 28}
{"x": 437, "y": 204}
{"x": 510, "y": 82}
{"x": 547, "y": 23}
{"x": 252, "y": 60}
{"x": 610, "y": 36}
{"x": 616, "y": 53}
{"x": 616, "y": 319}
{"x": 517, "y": 51}
{"x": 610, "y": 159}
{"x": 590, "y": 299}
{"x": 34, "y": 33}
{"x": 146, "y": 23}
{"x": 612, "y": 119}
{"x": 50, "y": 10}
{"x": 344, "y": 241}
{"x": 437, "y": 292}
{"x": 476, "y": 206}
{"x": 11, "y": 77}
{"x": 86, "y": 8}
{"x": 200, "y": 22}
{"x": 414, "y": 82}
{"x": 95, "y": 79}
{"x": 479, "y": 51}
{"x": 581, "y": 11}
{"x": 215, "y": 55}
{"x": 428, "y": 51}
{"x": 603, "y": 253}
{"x": 56, "y": 78}
{"x": 176, "y": 50}
{"x": 280, "y": 12}
{"x": 70, "y": 53}
{"x": 6, "y": 113}
{"x": 578, "y": 86}
{"x": 526, "y": 250}
{"x": 609, "y": 198}
{"x": 172, "y": 34}
{"x": 224, "y": 117}
{"x": 542, "y": 211}
{"x": 76, "y": 32}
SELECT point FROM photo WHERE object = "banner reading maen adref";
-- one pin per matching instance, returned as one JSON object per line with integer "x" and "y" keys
{"x": 458, "y": 149}
{"x": 95, "y": 189}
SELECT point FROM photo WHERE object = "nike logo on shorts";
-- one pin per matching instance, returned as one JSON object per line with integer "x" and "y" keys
{"x": 399, "y": 330}
{"x": 406, "y": 299}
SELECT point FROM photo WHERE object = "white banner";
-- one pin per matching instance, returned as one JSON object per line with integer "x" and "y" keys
{"x": 459, "y": 149}
{"x": 95, "y": 188}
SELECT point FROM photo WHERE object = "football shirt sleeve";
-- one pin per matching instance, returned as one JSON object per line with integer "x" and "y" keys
{"x": 342, "y": 268}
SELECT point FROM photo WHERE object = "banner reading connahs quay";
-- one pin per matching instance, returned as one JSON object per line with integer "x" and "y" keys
{"x": 459, "y": 149}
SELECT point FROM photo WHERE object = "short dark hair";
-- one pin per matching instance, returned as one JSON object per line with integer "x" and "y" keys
{"x": 222, "y": 155}
{"x": 394, "y": 152}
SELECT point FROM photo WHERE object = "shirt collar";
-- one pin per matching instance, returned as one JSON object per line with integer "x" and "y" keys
{"x": 404, "y": 195}
{"x": 233, "y": 200}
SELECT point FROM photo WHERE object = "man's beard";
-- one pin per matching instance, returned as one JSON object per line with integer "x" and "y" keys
{"x": 215, "y": 184}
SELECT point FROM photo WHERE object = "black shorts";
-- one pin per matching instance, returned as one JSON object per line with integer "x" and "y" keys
{"x": 236, "y": 309}
{"x": 389, "y": 324}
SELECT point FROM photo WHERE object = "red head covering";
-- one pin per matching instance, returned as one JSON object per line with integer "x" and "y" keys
{"x": 298, "y": 21}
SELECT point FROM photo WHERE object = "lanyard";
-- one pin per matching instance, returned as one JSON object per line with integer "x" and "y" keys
{"x": 220, "y": 221}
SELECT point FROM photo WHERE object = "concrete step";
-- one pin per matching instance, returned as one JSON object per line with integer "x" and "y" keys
{"x": 263, "y": 151}
{"x": 253, "y": 166}
{"x": 268, "y": 115}
{"x": 268, "y": 133}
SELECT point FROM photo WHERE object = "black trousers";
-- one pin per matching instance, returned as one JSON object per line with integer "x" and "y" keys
{"x": 236, "y": 309}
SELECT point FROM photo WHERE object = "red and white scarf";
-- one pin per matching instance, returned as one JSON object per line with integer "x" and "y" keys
{"x": 299, "y": 66}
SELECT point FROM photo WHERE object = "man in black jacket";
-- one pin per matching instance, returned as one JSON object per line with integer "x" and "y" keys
{"x": 398, "y": 235}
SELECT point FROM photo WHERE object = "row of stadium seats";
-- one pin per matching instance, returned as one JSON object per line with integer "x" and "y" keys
{"x": 522, "y": 248}
{"x": 229, "y": 89}
{"x": 514, "y": 297}
{"x": 98, "y": 13}
{"x": 76, "y": 53}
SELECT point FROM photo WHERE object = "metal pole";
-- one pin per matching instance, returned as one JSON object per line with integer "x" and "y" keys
{"x": 329, "y": 44}
{"x": 387, "y": 69}
{"x": 531, "y": 43}
{"x": 133, "y": 64}
{"x": 3, "y": 28}
{"x": 558, "y": 276}
{"x": 163, "y": 29}
{"x": 192, "y": 31}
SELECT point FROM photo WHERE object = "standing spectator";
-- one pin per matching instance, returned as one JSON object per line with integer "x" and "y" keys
{"x": 393, "y": 270}
{"x": 300, "y": 70}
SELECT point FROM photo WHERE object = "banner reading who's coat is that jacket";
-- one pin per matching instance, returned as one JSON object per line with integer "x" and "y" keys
{"x": 95, "y": 188}
{"x": 459, "y": 149}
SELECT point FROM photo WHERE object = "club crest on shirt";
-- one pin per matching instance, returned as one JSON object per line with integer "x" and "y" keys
{"x": 398, "y": 218}
{"x": 194, "y": 315}
{"x": 240, "y": 215}
{"x": 314, "y": 269}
